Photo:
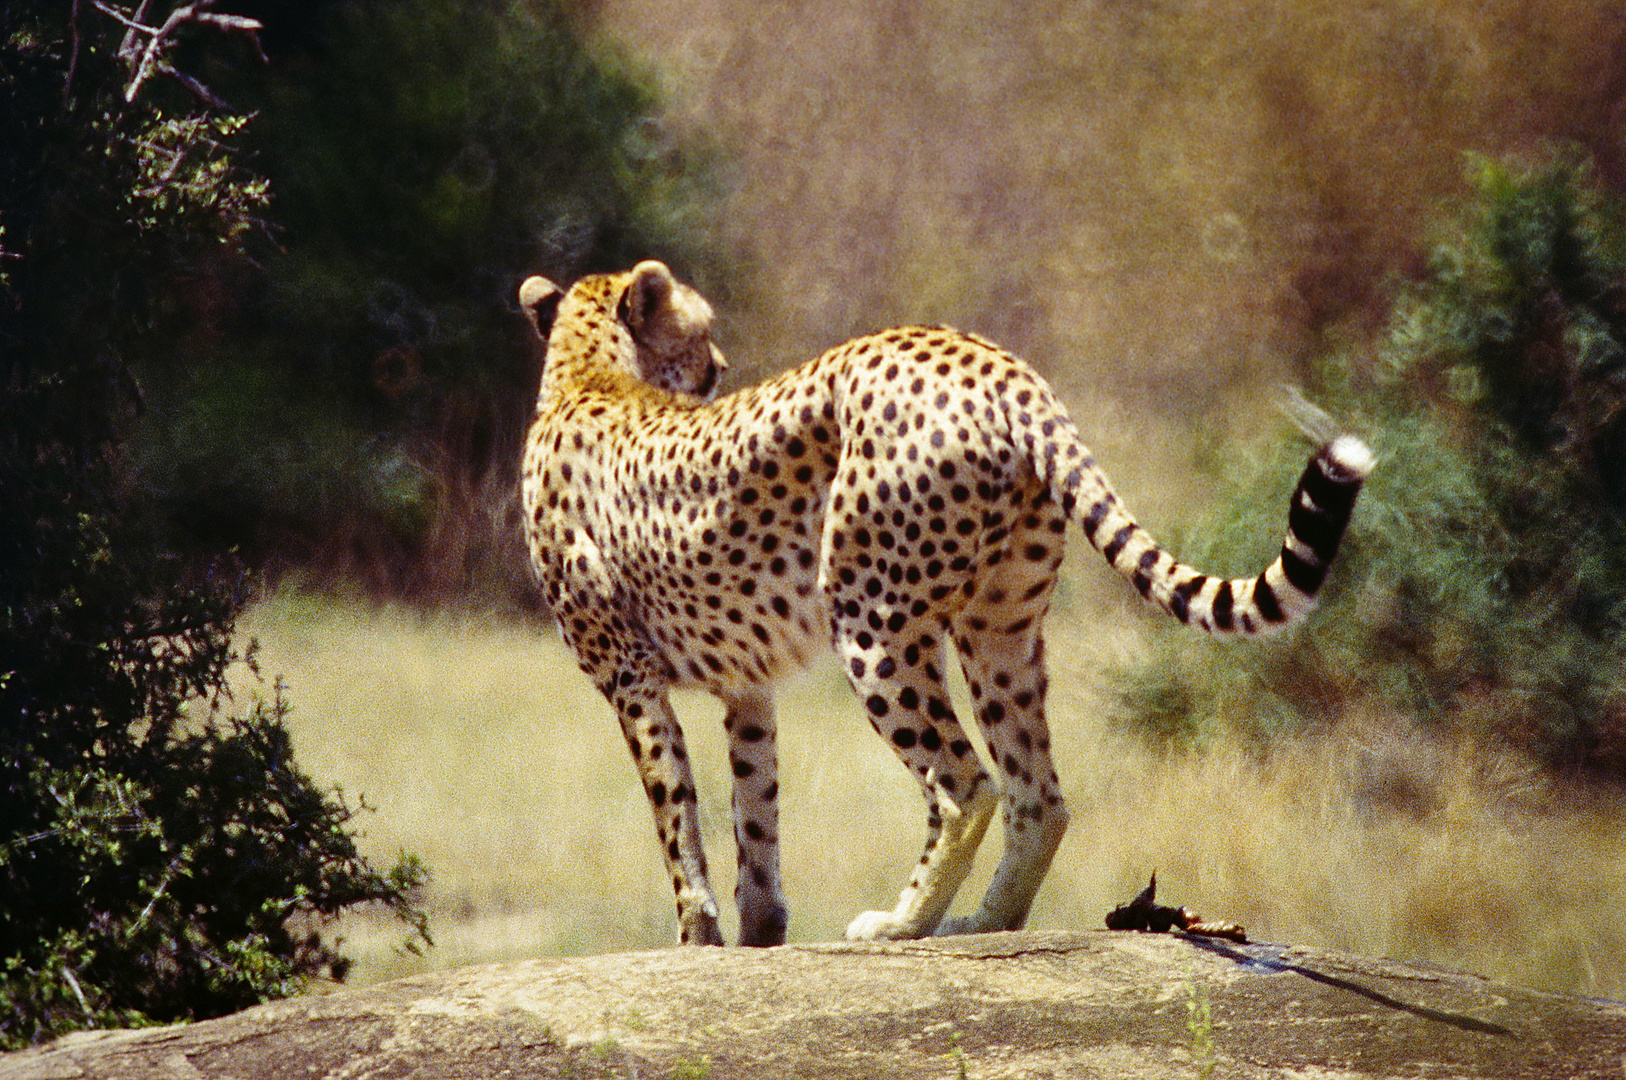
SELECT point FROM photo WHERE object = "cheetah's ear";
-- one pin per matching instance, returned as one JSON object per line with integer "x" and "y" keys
{"x": 649, "y": 291}
{"x": 540, "y": 298}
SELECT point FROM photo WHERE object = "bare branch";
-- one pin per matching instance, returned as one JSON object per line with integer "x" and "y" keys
{"x": 119, "y": 16}
{"x": 150, "y": 56}
{"x": 240, "y": 24}
{"x": 147, "y": 59}
{"x": 73, "y": 56}
{"x": 199, "y": 90}
{"x": 129, "y": 49}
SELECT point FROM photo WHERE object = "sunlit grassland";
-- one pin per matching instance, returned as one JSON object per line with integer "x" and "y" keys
{"x": 484, "y": 750}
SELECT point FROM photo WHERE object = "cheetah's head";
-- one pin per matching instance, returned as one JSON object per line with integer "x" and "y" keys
{"x": 665, "y": 326}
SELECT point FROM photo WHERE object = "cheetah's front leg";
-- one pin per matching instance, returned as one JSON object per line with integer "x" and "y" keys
{"x": 753, "y": 758}
{"x": 656, "y": 741}
{"x": 615, "y": 652}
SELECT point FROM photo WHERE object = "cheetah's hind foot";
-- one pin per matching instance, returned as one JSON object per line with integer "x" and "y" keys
{"x": 883, "y": 926}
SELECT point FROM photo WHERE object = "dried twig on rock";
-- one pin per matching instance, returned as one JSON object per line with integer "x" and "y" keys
{"x": 1145, "y": 914}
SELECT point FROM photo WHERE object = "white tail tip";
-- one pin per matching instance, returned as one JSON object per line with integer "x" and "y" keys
{"x": 1351, "y": 455}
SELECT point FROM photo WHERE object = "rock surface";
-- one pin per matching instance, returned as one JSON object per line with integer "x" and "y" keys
{"x": 1046, "y": 1005}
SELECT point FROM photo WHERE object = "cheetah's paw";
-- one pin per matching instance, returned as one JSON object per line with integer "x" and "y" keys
{"x": 878, "y": 926}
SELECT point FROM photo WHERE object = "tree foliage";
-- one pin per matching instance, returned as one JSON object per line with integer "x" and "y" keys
{"x": 1482, "y": 589}
{"x": 157, "y": 855}
{"x": 427, "y": 155}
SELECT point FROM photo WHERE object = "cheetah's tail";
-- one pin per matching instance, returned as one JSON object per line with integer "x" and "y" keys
{"x": 1283, "y": 593}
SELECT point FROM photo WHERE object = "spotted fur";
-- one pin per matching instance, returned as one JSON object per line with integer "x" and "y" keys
{"x": 902, "y": 493}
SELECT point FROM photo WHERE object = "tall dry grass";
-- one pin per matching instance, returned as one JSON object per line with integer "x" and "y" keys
{"x": 1177, "y": 199}
{"x": 485, "y": 751}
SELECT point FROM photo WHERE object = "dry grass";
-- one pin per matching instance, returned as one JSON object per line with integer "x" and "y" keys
{"x": 1178, "y": 198}
{"x": 487, "y": 753}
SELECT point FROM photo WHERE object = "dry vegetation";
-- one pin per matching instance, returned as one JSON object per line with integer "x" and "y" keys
{"x": 1170, "y": 200}
{"x": 1166, "y": 207}
{"x": 486, "y": 752}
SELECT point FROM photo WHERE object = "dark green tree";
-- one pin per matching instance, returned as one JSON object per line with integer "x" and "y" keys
{"x": 427, "y": 155}
{"x": 159, "y": 858}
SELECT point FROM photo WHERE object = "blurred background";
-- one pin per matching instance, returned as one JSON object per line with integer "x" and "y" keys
{"x": 1410, "y": 210}
{"x": 1166, "y": 208}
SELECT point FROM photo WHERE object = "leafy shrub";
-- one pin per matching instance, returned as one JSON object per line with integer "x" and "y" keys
{"x": 1482, "y": 588}
{"x": 174, "y": 877}
{"x": 159, "y": 859}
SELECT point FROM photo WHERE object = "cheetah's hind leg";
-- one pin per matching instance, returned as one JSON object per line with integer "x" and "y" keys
{"x": 1006, "y": 671}
{"x": 897, "y": 675}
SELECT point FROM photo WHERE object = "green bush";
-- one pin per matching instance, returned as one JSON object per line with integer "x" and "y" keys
{"x": 159, "y": 858}
{"x": 174, "y": 877}
{"x": 1482, "y": 587}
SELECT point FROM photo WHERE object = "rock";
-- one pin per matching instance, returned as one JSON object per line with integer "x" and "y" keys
{"x": 1044, "y": 1005}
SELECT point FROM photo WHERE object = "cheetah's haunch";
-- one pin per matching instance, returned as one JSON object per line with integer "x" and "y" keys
{"x": 903, "y": 491}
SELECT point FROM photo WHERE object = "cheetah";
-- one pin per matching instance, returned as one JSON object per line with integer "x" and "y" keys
{"x": 905, "y": 492}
